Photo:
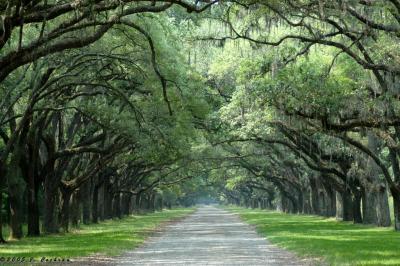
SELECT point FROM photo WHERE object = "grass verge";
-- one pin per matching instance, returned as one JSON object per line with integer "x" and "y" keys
{"x": 109, "y": 237}
{"x": 339, "y": 243}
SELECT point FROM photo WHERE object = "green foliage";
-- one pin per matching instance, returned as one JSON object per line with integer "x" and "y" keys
{"x": 234, "y": 102}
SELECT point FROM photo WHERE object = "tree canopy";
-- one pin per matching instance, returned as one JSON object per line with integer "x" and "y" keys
{"x": 109, "y": 107}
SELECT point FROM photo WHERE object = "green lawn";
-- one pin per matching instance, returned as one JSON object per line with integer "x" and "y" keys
{"x": 340, "y": 243}
{"x": 109, "y": 237}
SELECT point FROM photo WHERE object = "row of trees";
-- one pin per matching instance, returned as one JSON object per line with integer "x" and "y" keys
{"x": 110, "y": 107}
{"x": 310, "y": 106}
{"x": 97, "y": 112}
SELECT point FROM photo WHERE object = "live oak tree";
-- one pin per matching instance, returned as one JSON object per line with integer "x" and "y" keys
{"x": 114, "y": 107}
{"x": 74, "y": 112}
{"x": 333, "y": 71}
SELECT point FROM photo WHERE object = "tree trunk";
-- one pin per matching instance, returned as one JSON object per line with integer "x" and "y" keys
{"x": 322, "y": 203}
{"x": 152, "y": 199}
{"x": 263, "y": 205}
{"x": 125, "y": 204}
{"x": 357, "y": 208}
{"x": 33, "y": 184}
{"x": 369, "y": 206}
{"x": 396, "y": 207}
{"x": 138, "y": 202}
{"x": 117, "y": 205}
{"x": 15, "y": 191}
{"x": 279, "y": 204}
{"x": 50, "y": 223}
{"x": 75, "y": 209}
{"x": 51, "y": 190}
{"x": 85, "y": 199}
{"x": 144, "y": 203}
{"x": 107, "y": 201}
{"x": 285, "y": 204}
{"x": 294, "y": 205}
{"x": 246, "y": 202}
{"x": 33, "y": 208}
{"x": 161, "y": 202}
{"x": 51, "y": 193}
{"x": 253, "y": 203}
{"x": 375, "y": 204}
{"x": 66, "y": 197}
{"x": 301, "y": 201}
{"x": 347, "y": 204}
{"x": 95, "y": 207}
{"x": 383, "y": 211}
{"x": 331, "y": 202}
{"x": 339, "y": 206}
{"x": 100, "y": 206}
{"x": 133, "y": 204}
{"x": 2, "y": 179}
{"x": 270, "y": 203}
{"x": 394, "y": 190}
{"x": 2, "y": 241}
{"x": 314, "y": 197}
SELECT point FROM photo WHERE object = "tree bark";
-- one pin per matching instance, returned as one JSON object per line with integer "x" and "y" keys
{"x": 33, "y": 208}
{"x": 138, "y": 202}
{"x": 301, "y": 201}
{"x": 132, "y": 204}
{"x": 314, "y": 197}
{"x": 2, "y": 241}
{"x": 339, "y": 206}
{"x": 95, "y": 207}
{"x": 66, "y": 197}
{"x": 75, "y": 208}
{"x": 15, "y": 191}
{"x": 50, "y": 222}
{"x": 369, "y": 206}
{"x": 2, "y": 179}
{"x": 33, "y": 183}
{"x": 161, "y": 202}
{"x": 144, "y": 203}
{"x": 347, "y": 204}
{"x": 383, "y": 211}
{"x": 331, "y": 201}
{"x": 294, "y": 205}
{"x": 395, "y": 192}
{"x": 375, "y": 199}
{"x": 107, "y": 203}
{"x": 85, "y": 199}
{"x": 125, "y": 204}
{"x": 322, "y": 203}
{"x": 396, "y": 207}
{"x": 151, "y": 202}
{"x": 117, "y": 205}
{"x": 357, "y": 208}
